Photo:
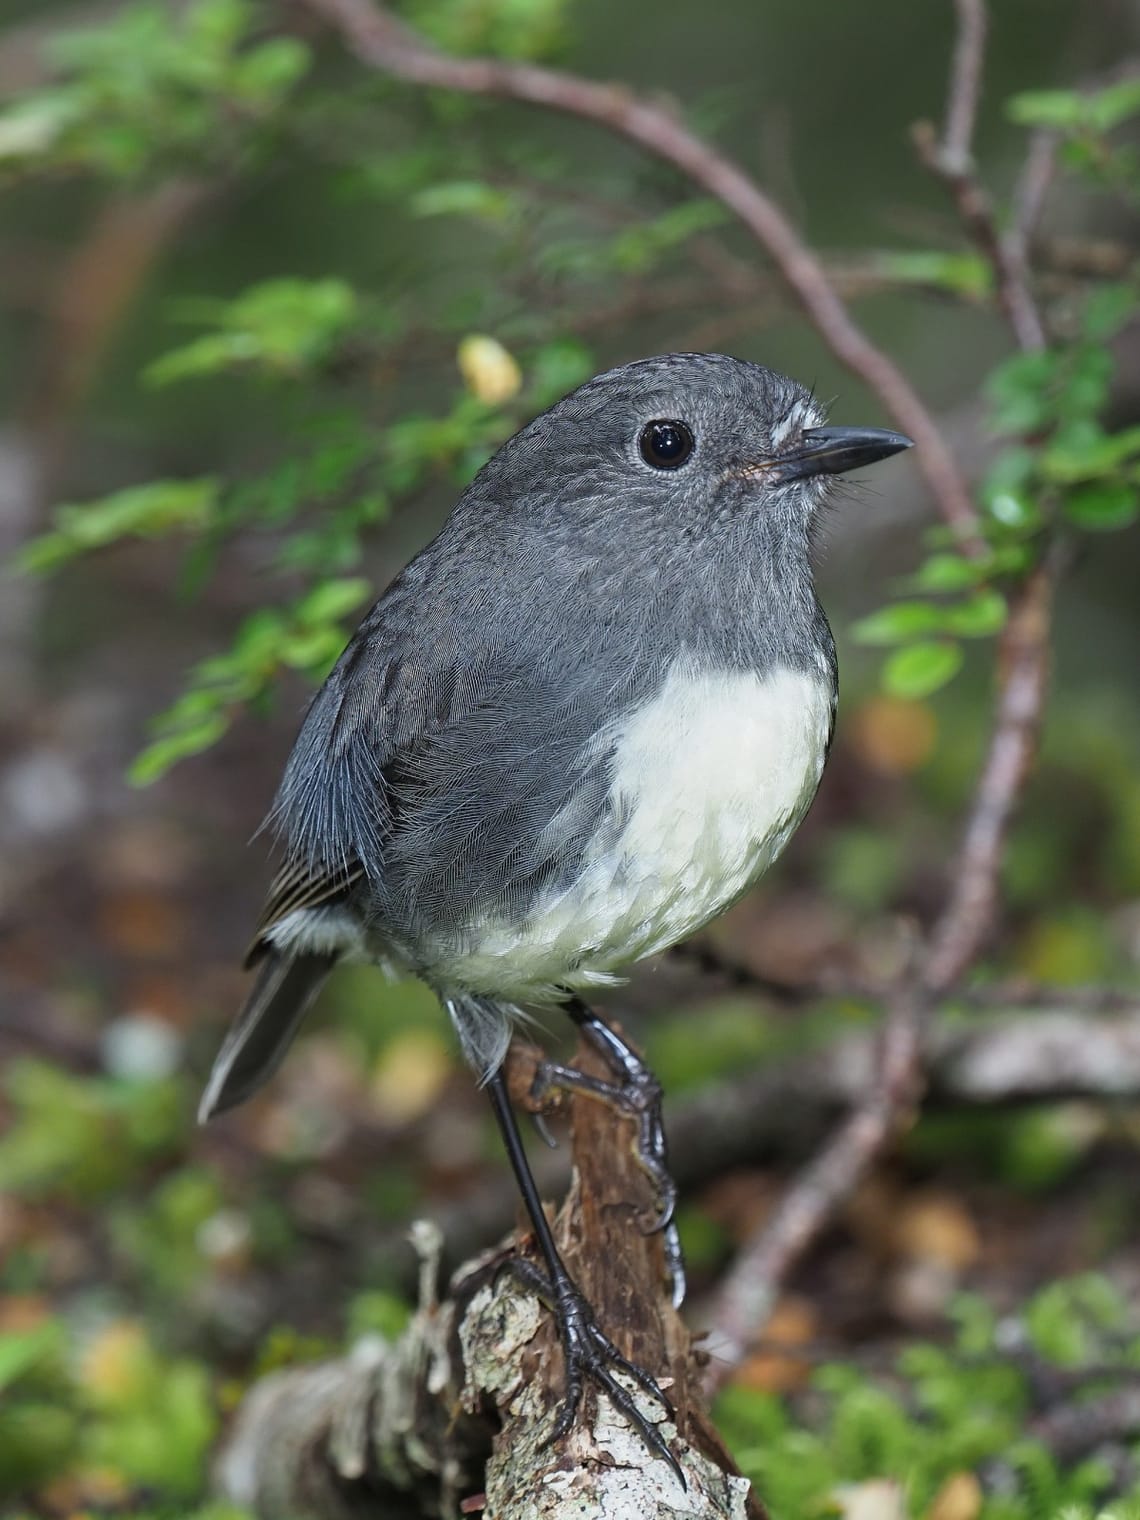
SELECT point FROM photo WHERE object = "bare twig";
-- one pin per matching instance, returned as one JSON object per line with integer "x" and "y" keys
{"x": 952, "y": 160}
{"x": 385, "y": 43}
{"x": 959, "y": 933}
{"x": 965, "y": 91}
{"x": 1033, "y": 186}
{"x": 747, "y": 1295}
{"x": 1024, "y": 666}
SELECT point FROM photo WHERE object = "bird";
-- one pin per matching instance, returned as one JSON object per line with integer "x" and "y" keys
{"x": 572, "y": 731}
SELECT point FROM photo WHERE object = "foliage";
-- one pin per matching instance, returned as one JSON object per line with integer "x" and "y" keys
{"x": 946, "y": 1413}
{"x": 221, "y": 82}
{"x": 151, "y": 1338}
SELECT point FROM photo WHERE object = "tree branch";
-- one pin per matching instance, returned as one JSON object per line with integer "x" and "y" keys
{"x": 1023, "y": 663}
{"x": 384, "y": 43}
{"x": 748, "y": 1293}
{"x": 458, "y": 1411}
{"x": 952, "y": 160}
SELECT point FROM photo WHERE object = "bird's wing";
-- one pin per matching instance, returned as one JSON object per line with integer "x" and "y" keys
{"x": 455, "y": 781}
{"x": 298, "y": 885}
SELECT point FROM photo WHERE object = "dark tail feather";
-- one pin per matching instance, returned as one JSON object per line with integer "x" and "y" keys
{"x": 264, "y": 1030}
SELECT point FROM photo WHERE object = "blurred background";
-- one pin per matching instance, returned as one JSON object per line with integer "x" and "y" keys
{"x": 262, "y": 314}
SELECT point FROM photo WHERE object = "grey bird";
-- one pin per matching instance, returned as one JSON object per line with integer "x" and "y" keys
{"x": 575, "y": 728}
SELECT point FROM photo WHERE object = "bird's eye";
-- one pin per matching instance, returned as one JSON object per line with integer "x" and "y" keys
{"x": 665, "y": 444}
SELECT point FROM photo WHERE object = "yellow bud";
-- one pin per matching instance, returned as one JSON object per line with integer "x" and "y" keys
{"x": 490, "y": 372}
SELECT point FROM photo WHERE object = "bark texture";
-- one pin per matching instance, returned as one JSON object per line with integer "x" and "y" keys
{"x": 454, "y": 1417}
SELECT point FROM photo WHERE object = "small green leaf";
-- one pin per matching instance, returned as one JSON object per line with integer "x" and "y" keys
{"x": 556, "y": 368}
{"x": 466, "y": 197}
{"x": 1104, "y": 507}
{"x": 901, "y": 621}
{"x": 1018, "y": 392}
{"x": 332, "y": 600}
{"x": 282, "y": 326}
{"x": 963, "y": 274}
{"x": 1013, "y": 508}
{"x": 1059, "y": 109}
{"x": 21, "y": 1351}
{"x": 1074, "y": 111}
{"x": 920, "y": 669}
{"x": 146, "y": 511}
{"x": 979, "y": 616}
{"x": 158, "y": 757}
{"x": 1082, "y": 450}
{"x": 1109, "y": 308}
{"x": 949, "y": 572}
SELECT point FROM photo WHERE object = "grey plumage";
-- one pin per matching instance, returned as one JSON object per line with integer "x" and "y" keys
{"x": 456, "y": 771}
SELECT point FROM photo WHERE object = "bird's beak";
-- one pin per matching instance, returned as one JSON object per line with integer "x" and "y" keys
{"x": 835, "y": 450}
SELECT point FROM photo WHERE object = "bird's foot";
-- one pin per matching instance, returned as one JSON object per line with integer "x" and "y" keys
{"x": 590, "y": 1354}
{"x": 637, "y": 1092}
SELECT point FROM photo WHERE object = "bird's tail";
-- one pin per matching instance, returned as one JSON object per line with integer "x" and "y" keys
{"x": 264, "y": 1030}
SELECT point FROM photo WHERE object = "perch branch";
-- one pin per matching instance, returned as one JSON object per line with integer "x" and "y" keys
{"x": 387, "y": 44}
{"x": 457, "y": 1413}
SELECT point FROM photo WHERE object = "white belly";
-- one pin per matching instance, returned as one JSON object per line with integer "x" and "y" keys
{"x": 709, "y": 779}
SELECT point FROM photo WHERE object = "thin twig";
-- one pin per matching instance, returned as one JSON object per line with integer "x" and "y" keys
{"x": 385, "y": 43}
{"x": 747, "y": 1295}
{"x": 1032, "y": 187}
{"x": 965, "y": 85}
{"x": 952, "y": 160}
{"x": 1024, "y": 664}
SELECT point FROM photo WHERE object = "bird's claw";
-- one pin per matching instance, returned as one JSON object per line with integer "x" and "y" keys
{"x": 589, "y": 1353}
{"x": 638, "y": 1094}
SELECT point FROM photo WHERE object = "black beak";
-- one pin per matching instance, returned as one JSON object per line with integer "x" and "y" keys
{"x": 835, "y": 450}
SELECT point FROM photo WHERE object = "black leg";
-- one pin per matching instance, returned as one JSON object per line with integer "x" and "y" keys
{"x": 587, "y": 1351}
{"x": 636, "y": 1092}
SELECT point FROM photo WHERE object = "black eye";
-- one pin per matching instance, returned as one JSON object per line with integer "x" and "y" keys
{"x": 666, "y": 445}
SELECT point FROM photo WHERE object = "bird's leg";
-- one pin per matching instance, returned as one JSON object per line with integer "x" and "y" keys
{"x": 636, "y": 1092}
{"x": 588, "y": 1352}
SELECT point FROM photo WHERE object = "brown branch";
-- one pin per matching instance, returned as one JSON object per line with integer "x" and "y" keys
{"x": 952, "y": 160}
{"x": 748, "y": 1292}
{"x": 461, "y": 1407}
{"x": 385, "y": 43}
{"x": 959, "y": 934}
{"x": 1023, "y": 661}
{"x": 965, "y": 91}
{"x": 747, "y": 1295}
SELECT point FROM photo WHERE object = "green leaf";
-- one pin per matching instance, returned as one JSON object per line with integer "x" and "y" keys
{"x": 158, "y": 757}
{"x": 920, "y": 669}
{"x": 466, "y": 197}
{"x": 146, "y": 511}
{"x": 963, "y": 274}
{"x": 332, "y": 600}
{"x": 1013, "y": 508}
{"x": 901, "y": 621}
{"x": 21, "y": 1351}
{"x": 32, "y": 127}
{"x": 557, "y": 368}
{"x": 1074, "y": 110}
{"x": 283, "y": 326}
{"x": 978, "y": 617}
{"x": 1018, "y": 392}
{"x": 1109, "y": 308}
{"x": 1083, "y": 449}
{"x": 949, "y": 572}
{"x": 1104, "y": 507}
{"x": 640, "y": 247}
{"x": 1060, "y": 109}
